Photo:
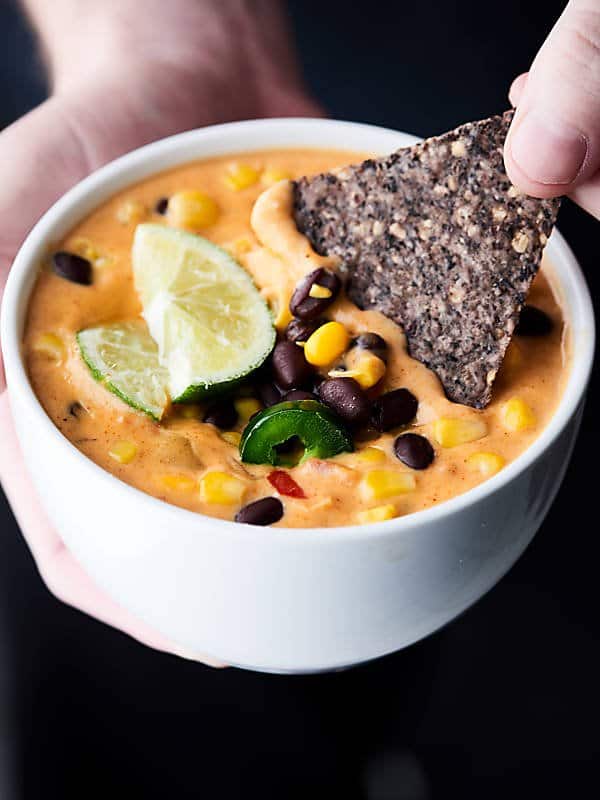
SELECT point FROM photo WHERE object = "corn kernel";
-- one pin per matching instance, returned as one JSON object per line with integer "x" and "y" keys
{"x": 380, "y": 484}
{"x": 131, "y": 212}
{"x": 124, "y": 452}
{"x": 279, "y": 300}
{"x": 366, "y": 368}
{"x": 370, "y": 370}
{"x": 517, "y": 415}
{"x": 284, "y": 317}
{"x": 271, "y": 176}
{"x": 231, "y": 437}
{"x": 246, "y": 407}
{"x": 192, "y": 209}
{"x": 326, "y": 344}
{"x": 242, "y": 245}
{"x": 221, "y": 488}
{"x": 84, "y": 248}
{"x": 377, "y": 514}
{"x": 320, "y": 292}
{"x": 189, "y": 411}
{"x": 103, "y": 261}
{"x": 241, "y": 176}
{"x": 51, "y": 346}
{"x": 238, "y": 247}
{"x": 179, "y": 483}
{"x": 487, "y": 464}
{"x": 452, "y": 432}
{"x": 370, "y": 455}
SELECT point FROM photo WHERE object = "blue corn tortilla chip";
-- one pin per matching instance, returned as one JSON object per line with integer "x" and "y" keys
{"x": 436, "y": 238}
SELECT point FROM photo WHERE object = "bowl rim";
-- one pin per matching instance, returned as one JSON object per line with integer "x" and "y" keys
{"x": 20, "y": 281}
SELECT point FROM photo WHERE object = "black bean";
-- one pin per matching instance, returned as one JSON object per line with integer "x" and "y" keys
{"x": 300, "y": 329}
{"x": 373, "y": 342}
{"x": 414, "y": 450}
{"x": 533, "y": 322}
{"x": 290, "y": 368}
{"x": 72, "y": 267}
{"x": 221, "y": 414}
{"x": 393, "y": 409}
{"x": 299, "y": 394}
{"x": 261, "y": 512}
{"x": 302, "y": 305}
{"x": 375, "y": 391}
{"x": 76, "y": 409}
{"x": 161, "y": 205}
{"x": 346, "y": 398}
{"x": 268, "y": 393}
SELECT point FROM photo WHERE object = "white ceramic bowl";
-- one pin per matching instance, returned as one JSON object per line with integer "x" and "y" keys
{"x": 282, "y": 600}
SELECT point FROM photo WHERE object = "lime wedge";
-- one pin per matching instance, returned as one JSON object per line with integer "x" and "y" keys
{"x": 124, "y": 357}
{"x": 211, "y": 325}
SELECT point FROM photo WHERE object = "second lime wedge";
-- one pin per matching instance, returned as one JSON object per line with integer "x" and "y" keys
{"x": 210, "y": 323}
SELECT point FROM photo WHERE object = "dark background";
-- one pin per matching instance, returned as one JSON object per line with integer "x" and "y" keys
{"x": 502, "y": 703}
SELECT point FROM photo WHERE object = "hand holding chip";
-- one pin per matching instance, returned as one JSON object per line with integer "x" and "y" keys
{"x": 553, "y": 146}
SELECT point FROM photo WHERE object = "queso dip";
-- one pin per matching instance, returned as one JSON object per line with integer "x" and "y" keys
{"x": 196, "y": 464}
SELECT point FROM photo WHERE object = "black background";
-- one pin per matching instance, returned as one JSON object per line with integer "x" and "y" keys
{"x": 504, "y": 702}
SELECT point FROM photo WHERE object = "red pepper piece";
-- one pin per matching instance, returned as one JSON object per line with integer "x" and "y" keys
{"x": 285, "y": 484}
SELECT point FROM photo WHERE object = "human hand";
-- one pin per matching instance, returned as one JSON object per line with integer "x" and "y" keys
{"x": 553, "y": 145}
{"x": 121, "y": 80}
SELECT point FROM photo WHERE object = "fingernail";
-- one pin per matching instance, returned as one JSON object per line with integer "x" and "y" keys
{"x": 548, "y": 150}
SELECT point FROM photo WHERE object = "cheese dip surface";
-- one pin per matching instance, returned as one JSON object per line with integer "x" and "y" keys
{"x": 243, "y": 203}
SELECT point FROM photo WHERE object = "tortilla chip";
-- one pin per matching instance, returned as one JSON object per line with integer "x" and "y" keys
{"x": 436, "y": 238}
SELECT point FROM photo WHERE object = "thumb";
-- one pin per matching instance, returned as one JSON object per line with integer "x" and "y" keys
{"x": 553, "y": 144}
